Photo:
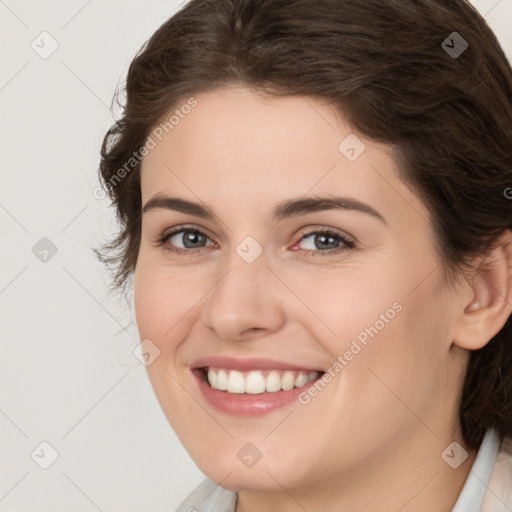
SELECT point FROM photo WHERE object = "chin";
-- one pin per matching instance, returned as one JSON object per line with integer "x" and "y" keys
{"x": 226, "y": 467}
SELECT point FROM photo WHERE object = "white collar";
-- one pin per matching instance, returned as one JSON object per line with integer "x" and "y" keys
{"x": 498, "y": 497}
{"x": 473, "y": 493}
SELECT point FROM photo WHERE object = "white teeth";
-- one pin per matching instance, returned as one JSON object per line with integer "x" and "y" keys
{"x": 213, "y": 379}
{"x": 312, "y": 376}
{"x": 288, "y": 381}
{"x": 301, "y": 379}
{"x": 273, "y": 382}
{"x": 254, "y": 382}
{"x": 222, "y": 380}
{"x": 236, "y": 382}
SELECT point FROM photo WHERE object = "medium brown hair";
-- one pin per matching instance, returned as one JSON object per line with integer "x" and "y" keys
{"x": 382, "y": 65}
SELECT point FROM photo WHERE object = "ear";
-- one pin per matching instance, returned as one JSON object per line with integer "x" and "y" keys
{"x": 491, "y": 305}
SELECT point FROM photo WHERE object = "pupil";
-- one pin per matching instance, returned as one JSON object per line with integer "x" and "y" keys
{"x": 326, "y": 241}
{"x": 191, "y": 237}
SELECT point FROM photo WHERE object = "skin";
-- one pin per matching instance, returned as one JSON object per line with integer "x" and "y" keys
{"x": 372, "y": 438}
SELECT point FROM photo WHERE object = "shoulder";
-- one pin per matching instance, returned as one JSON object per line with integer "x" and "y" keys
{"x": 209, "y": 497}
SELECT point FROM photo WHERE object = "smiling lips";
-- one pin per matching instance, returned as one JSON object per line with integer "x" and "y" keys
{"x": 250, "y": 387}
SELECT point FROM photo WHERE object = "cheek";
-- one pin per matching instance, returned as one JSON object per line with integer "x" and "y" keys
{"x": 399, "y": 369}
{"x": 164, "y": 303}
{"x": 345, "y": 304}
{"x": 385, "y": 331}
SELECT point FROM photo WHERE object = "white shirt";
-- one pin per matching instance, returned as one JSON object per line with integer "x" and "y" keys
{"x": 488, "y": 487}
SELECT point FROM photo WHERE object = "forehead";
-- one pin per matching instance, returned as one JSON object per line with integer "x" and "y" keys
{"x": 235, "y": 143}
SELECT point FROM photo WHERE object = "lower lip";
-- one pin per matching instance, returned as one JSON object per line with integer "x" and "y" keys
{"x": 246, "y": 404}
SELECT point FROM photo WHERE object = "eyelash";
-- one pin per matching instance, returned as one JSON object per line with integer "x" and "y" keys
{"x": 349, "y": 244}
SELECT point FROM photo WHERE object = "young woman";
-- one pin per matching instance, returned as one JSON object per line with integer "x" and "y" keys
{"x": 315, "y": 201}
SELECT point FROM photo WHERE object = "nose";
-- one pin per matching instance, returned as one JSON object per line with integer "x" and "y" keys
{"x": 245, "y": 301}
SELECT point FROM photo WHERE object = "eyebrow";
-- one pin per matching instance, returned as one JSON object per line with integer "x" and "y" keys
{"x": 285, "y": 209}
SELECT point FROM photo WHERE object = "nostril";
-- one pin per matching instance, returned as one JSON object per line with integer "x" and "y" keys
{"x": 253, "y": 330}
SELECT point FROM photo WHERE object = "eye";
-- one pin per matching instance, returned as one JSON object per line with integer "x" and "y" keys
{"x": 184, "y": 240}
{"x": 325, "y": 241}
{"x": 191, "y": 240}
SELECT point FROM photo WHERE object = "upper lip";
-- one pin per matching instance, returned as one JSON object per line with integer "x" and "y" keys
{"x": 230, "y": 363}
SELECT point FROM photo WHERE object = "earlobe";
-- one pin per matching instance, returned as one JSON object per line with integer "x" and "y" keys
{"x": 485, "y": 315}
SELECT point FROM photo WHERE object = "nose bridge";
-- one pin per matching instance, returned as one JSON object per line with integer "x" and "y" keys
{"x": 244, "y": 295}
{"x": 244, "y": 268}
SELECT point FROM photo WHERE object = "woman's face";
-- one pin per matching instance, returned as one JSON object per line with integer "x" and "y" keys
{"x": 295, "y": 249}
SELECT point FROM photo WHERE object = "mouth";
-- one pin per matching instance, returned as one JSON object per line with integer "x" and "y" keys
{"x": 251, "y": 387}
{"x": 256, "y": 382}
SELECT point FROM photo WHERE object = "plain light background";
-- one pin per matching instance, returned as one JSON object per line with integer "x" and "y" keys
{"x": 68, "y": 376}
